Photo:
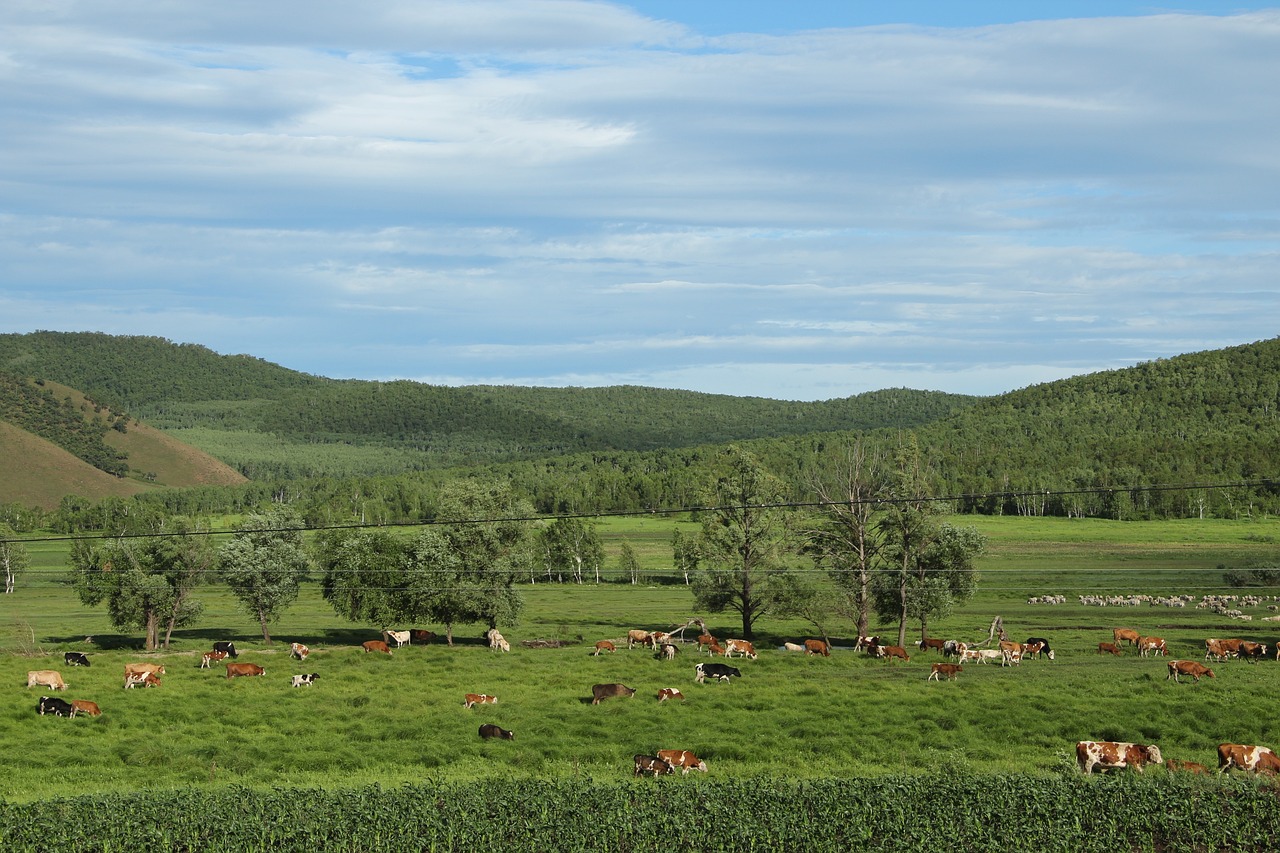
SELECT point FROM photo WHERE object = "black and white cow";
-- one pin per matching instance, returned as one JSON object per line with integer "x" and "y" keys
{"x": 54, "y": 705}
{"x": 75, "y": 659}
{"x": 226, "y": 646}
{"x": 1045, "y": 648}
{"x": 721, "y": 671}
{"x": 305, "y": 680}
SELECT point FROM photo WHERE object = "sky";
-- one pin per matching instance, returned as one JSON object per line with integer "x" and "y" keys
{"x": 801, "y": 201}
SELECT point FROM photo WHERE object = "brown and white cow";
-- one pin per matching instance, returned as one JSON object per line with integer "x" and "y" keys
{"x": 1222, "y": 649}
{"x": 670, "y": 693}
{"x": 682, "y": 760}
{"x": 470, "y": 700}
{"x": 651, "y": 764}
{"x": 600, "y": 692}
{"x": 1152, "y": 646}
{"x": 1109, "y": 648}
{"x": 1256, "y": 759}
{"x": 141, "y": 679}
{"x": 1010, "y": 653}
{"x": 250, "y": 670}
{"x": 604, "y": 646}
{"x": 892, "y": 652}
{"x": 211, "y": 657}
{"x": 742, "y": 647}
{"x": 50, "y": 678}
{"x": 637, "y": 637}
{"x": 136, "y": 668}
{"x": 299, "y": 651}
{"x": 707, "y": 641}
{"x": 950, "y": 670}
{"x": 375, "y": 646}
{"x": 84, "y": 706}
{"x": 1124, "y": 635}
{"x": 1193, "y": 668}
{"x": 1251, "y": 651}
{"x": 868, "y": 643}
{"x": 1108, "y": 755}
{"x": 817, "y": 647}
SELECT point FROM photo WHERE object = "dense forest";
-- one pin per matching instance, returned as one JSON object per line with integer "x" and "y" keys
{"x": 32, "y": 406}
{"x": 1193, "y": 435}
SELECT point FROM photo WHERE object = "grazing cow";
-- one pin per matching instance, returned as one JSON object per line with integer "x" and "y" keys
{"x": 670, "y": 693}
{"x": 1152, "y": 645}
{"x": 682, "y": 760}
{"x": 742, "y": 647}
{"x": 226, "y": 646}
{"x": 376, "y": 646}
{"x": 974, "y": 655}
{"x": 657, "y": 638}
{"x": 793, "y": 647}
{"x": 211, "y": 657}
{"x": 84, "y": 706}
{"x": 1124, "y": 635}
{"x": 868, "y": 643}
{"x": 57, "y": 707}
{"x": 489, "y": 730}
{"x": 1175, "y": 766}
{"x": 497, "y": 641}
{"x": 400, "y": 638}
{"x": 421, "y": 637}
{"x": 470, "y": 700}
{"x": 1222, "y": 649}
{"x": 706, "y": 640}
{"x": 1010, "y": 653}
{"x": 298, "y": 651}
{"x": 141, "y": 679}
{"x": 50, "y": 678}
{"x": 1109, "y": 648}
{"x": 930, "y": 643}
{"x": 667, "y": 651}
{"x": 248, "y": 670}
{"x": 892, "y": 652}
{"x": 136, "y": 668}
{"x": 1193, "y": 668}
{"x": 604, "y": 646}
{"x": 638, "y": 637}
{"x": 719, "y": 671}
{"x": 600, "y": 692}
{"x": 1257, "y": 759}
{"x": 1108, "y": 755}
{"x": 75, "y": 659}
{"x": 1043, "y": 649}
{"x": 817, "y": 647}
{"x": 651, "y": 764}
{"x": 715, "y": 649}
{"x": 950, "y": 670}
{"x": 1251, "y": 651}
{"x": 305, "y": 680}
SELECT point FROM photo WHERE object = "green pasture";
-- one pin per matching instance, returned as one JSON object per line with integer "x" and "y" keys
{"x": 396, "y": 720}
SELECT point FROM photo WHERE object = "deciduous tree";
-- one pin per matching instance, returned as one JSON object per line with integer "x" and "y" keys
{"x": 265, "y": 563}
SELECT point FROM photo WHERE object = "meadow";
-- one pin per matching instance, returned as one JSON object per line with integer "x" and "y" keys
{"x": 399, "y": 720}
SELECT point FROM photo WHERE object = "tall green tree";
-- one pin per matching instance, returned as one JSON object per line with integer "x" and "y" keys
{"x": 13, "y": 558}
{"x": 363, "y": 575}
{"x": 742, "y": 541}
{"x": 265, "y": 563}
{"x": 571, "y": 546}
{"x": 147, "y": 584}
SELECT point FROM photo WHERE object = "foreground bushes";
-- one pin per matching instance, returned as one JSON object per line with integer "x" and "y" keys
{"x": 934, "y": 811}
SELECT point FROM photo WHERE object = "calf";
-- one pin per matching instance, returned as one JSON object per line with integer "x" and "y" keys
{"x": 669, "y": 693}
{"x": 470, "y": 700}
{"x": 948, "y": 669}
{"x": 1257, "y": 759}
{"x": 1193, "y": 668}
{"x": 667, "y": 651}
{"x": 137, "y": 668}
{"x": 247, "y": 670}
{"x": 651, "y": 764}
{"x": 57, "y": 707}
{"x": 1175, "y": 766}
{"x": 141, "y": 679}
{"x": 299, "y": 651}
{"x": 1010, "y": 653}
{"x": 1043, "y": 649}
{"x": 868, "y": 643}
{"x": 50, "y": 678}
{"x": 600, "y": 692}
{"x": 1108, "y": 755}
{"x": 75, "y": 659}
{"x": 305, "y": 680}
{"x": 718, "y": 671}
{"x": 892, "y": 652}
{"x": 682, "y": 760}
{"x": 226, "y": 646}
{"x": 489, "y": 730}
{"x": 604, "y": 646}
{"x": 211, "y": 657}
{"x": 376, "y": 646}
{"x": 1109, "y": 648}
{"x": 84, "y": 706}
{"x": 707, "y": 641}
{"x": 816, "y": 647}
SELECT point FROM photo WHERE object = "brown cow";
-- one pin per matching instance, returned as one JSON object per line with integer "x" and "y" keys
{"x": 670, "y": 693}
{"x": 651, "y": 764}
{"x": 742, "y": 647}
{"x": 417, "y": 635}
{"x": 1251, "y": 651}
{"x": 892, "y": 652}
{"x": 708, "y": 641}
{"x": 1175, "y": 766}
{"x": 1010, "y": 653}
{"x": 1109, "y": 648}
{"x": 931, "y": 643}
{"x": 682, "y": 760}
{"x": 600, "y": 692}
{"x": 817, "y": 647}
{"x": 376, "y": 646}
{"x": 136, "y": 668}
{"x": 45, "y": 678}
{"x": 1152, "y": 645}
{"x": 1108, "y": 755}
{"x": 1124, "y": 635}
{"x": 84, "y": 706}
{"x": 235, "y": 670}
{"x": 1193, "y": 668}
{"x": 211, "y": 657}
{"x": 489, "y": 730}
{"x": 948, "y": 669}
{"x": 1222, "y": 649}
{"x": 473, "y": 699}
{"x": 1257, "y": 759}
{"x": 637, "y": 636}
{"x": 604, "y": 646}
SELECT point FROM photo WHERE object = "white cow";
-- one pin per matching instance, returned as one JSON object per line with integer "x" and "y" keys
{"x": 399, "y": 638}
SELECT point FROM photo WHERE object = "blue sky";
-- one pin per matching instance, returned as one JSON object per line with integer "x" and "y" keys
{"x": 801, "y": 201}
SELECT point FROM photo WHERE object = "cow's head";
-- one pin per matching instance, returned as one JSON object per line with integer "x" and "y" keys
{"x": 1153, "y": 754}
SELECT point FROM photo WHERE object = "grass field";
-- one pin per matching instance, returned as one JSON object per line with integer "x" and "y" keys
{"x": 400, "y": 719}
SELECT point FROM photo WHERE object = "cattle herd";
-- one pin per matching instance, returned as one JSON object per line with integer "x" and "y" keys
{"x": 1090, "y": 755}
